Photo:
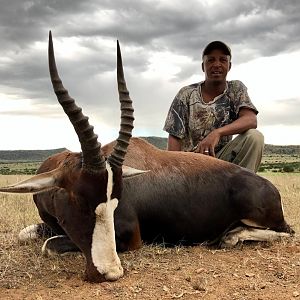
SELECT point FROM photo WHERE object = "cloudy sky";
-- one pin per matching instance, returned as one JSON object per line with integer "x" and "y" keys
{"x": 161, "y": 42}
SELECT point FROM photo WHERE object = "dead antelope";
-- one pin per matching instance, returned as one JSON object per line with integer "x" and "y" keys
{"x": 89, "y": 205}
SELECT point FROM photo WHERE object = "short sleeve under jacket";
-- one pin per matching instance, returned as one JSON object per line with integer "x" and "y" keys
{"x": 191, "y": 119}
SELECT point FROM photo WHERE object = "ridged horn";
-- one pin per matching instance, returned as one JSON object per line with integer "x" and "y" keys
{"x": 117, "y": 156}
{"x": 93, "y": 160}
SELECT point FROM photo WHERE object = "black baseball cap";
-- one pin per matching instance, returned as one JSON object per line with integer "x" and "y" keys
{"x": 216, "y": 45}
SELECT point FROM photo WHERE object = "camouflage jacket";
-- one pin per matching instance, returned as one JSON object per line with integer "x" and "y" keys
{"x": 191, "y": 119}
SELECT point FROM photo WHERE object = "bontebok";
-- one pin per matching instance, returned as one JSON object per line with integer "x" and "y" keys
{"x": 94, "y": 203}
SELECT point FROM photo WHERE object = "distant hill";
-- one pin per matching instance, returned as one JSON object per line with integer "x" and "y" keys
{"x": 159, "y": 142}
{"x": 27, "y": 155}
{"x": 289, "y": 149}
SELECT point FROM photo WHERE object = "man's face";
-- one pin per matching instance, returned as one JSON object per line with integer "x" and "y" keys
{"x": 216, "y": 65}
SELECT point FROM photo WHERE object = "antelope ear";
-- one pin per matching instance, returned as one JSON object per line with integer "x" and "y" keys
{"x": 130, "y": 172}
{"x": 35, "y": 184}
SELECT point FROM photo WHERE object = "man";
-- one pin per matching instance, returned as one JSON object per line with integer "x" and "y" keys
{"x": 204, "y": 116}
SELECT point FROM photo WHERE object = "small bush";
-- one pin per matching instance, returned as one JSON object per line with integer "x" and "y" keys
{"x": 288, "y": 169}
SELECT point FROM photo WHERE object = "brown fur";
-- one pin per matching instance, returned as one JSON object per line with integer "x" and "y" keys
{"x": 185, "y": 198}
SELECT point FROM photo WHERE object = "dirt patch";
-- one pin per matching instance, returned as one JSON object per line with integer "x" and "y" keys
{"x": 253, "y": 271}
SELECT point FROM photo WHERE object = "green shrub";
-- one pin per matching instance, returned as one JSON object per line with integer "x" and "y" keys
{"x": 288, "y": 169}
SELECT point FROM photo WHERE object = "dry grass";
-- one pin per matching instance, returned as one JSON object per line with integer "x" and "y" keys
{"x": 255, "y": 271}
{"x": 289, "y": 187}
{"x": 17, "y": 210}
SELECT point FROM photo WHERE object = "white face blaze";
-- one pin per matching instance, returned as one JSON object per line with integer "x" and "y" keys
{"x": 104, "y": 254}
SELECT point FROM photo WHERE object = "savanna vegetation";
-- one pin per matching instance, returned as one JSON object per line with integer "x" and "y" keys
{"x": 18, "y": 162}
{"x": 286, "y": 163}
{"x": 284, "y": 159}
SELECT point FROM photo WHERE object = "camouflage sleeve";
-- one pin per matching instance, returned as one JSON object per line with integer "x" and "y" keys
{"x": 242, "y": 99}
{"x": 177, "y": 117}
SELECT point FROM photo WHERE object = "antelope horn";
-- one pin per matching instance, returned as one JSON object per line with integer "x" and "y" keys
{"x": 117, "y": 156}
{"x": 93, "y": 160}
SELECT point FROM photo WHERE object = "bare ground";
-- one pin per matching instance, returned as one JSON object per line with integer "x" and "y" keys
{"x": 252, "y": 271}
{"x": 264, "y": 271}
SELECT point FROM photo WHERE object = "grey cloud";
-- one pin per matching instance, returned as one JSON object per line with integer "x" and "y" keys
{"x": 183, "y": 28}
{"x": 252, "y": 28}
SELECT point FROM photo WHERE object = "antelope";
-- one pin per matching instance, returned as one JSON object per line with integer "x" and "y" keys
{"x": 114, "y": 198}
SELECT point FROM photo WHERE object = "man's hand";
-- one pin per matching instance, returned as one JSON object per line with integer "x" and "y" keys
{"x": 208, "y": 144}
{"x": 246, "y": 120}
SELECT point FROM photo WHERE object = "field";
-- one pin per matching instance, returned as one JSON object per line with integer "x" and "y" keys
{"x": 252, "y": 271}
{"x": 280, "y": 163}
{"x": 18, "y": 168}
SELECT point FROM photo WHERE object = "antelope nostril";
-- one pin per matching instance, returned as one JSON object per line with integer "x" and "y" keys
{"x": 114, "y": 274}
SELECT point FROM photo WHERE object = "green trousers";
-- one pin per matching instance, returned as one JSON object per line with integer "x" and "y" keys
{"x": 245, "y": 150}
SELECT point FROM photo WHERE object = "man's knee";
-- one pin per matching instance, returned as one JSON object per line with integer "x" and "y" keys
{"x": 254, "y": 136}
